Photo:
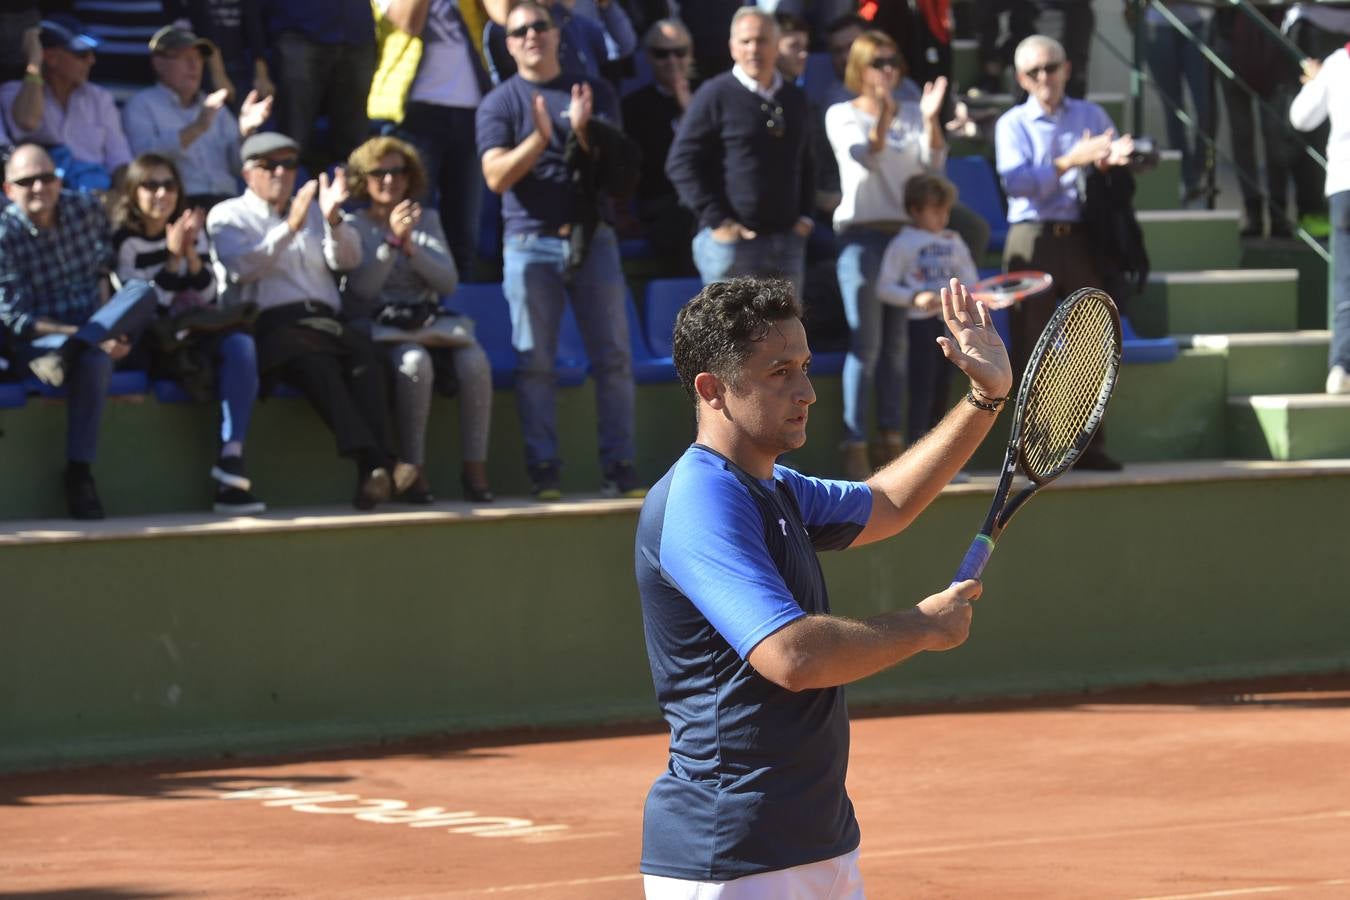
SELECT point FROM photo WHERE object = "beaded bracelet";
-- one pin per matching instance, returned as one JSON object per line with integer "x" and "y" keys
{"x": 988, "y": 404}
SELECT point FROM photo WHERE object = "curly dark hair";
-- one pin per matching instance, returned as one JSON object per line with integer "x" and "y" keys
{"x": 716, "y": 331}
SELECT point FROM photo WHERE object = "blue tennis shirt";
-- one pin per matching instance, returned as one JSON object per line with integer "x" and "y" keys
{"x": 756, "y": 775}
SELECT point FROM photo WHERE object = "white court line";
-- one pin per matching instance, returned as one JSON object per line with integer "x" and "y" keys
{"x": 1101, "y": 835}
{"x": 1238, "y": 892}
{"x": 575, "y": 882}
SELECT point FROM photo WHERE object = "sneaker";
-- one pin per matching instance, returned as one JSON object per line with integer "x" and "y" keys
{"x": 82, "y": 497}
{"x": 229, "y": 471}
{"x": 1338, "y": 381}
{"x": 233, "y": 501}
{"x": 404, "y": 475}
{"x": 372, "y": 488}
{"x": 621, "y": 480}
{"x": 50, "y": 369}
{"x": 418, "y": 493}
{"x": 544, "y": 481}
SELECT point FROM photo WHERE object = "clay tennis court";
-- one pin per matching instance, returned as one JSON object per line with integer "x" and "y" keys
{"x": 1222, "y": 791}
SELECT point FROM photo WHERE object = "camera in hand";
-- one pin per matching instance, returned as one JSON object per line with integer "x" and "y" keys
{"x": 1145, "y": 155}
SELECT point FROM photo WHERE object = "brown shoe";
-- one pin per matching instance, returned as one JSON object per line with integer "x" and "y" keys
{"x": 373, "y": 488}
{"x": 853, "y": 461}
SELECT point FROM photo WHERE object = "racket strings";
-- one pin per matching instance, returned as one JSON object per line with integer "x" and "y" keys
{"x": 1069, "y": 388}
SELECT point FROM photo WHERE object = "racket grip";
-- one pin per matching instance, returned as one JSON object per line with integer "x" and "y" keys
{"x": 976, "y": 558}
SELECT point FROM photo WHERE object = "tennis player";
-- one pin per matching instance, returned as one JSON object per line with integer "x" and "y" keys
{"x": 747, "y": 660}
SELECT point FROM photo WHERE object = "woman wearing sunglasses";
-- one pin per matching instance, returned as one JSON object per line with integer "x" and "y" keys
{"x": 878, "y": 145}
{"x": 159, "y": 241}
{"x": 405, "y": 269}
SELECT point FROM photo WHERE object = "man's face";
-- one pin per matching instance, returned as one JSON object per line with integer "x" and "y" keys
{"x": 1043, "y": 74}
{"x": 67, "y": 65}
{"x": 669, "y": 55}
{"x": 754, "y": 46}
{"x": 272, "y": 177}
{"x": 531, "y": 38}
{"x": 769, "y": 401}
{"x": 180, "y": 70}
{"x": 31, "y": 183}
{"x": 793, "y": 48}
{"x": 840, "y": 43}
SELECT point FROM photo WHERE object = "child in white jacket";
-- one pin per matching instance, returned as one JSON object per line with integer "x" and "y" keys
{"x": 918, "y": 263}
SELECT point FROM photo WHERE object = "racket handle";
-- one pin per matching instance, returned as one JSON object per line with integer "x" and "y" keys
{"x": 976, "y": 558}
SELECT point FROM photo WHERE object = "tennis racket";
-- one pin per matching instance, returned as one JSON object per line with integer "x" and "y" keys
{"x": 1010, "y": 288}
{"x": 1063, "y": 396}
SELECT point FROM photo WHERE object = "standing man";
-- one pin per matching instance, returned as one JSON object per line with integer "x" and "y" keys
{"x": 536, "y": 131}
{"x": 177, "y": 120}
{"x": 55, "y": 254}
{"x": 741, "y": 163}
{"x": 748, "y": 663}
{"x": 1042, "y": 149}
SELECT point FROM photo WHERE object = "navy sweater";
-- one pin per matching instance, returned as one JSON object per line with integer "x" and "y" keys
{"x": 737, "y": 156}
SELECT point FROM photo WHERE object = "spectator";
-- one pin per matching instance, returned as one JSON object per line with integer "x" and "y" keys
{"x": 438, "y": 116}
{"x": 405, "y": 270}
{"x": 920, "y": 261}
{"x": 56, "y": 103}
{"x": 1171, "y": 59}
{"x": 535, "y": 131}
{"x": 1326, "y": 94}
{"x": 323, "y": 52}
{"x": 1255, "y": 57}
{"x": 159, "y": 240}
{"x": 651, "y": 115}
{"x": 840, "y": 34}
{"x": 740, "y": 162}
{"x": 175, "y": 119}
{"x": 586, "y": 42}
{"x": 282, "y": 253}
{"x": 878, "y": 146}
{"x": 794, "y": 46}
{"x": 1042, "y": 148}
{"x": 235, "y": 29}
{"x": 55, "y": 254}
{"x": 1071, "y": 24}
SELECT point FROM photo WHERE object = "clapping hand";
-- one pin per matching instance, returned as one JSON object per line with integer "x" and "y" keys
{"x": 403, "y": 218}
{"x": 579, "y": 111}
{"x": 254, "y": 112}
{"x": 300, "y": 205}
{"x": 930, "y": 104}
{"x": 543, "y": 122}
{"x": 332, "y": 194}
{"x": 211, "y": 106}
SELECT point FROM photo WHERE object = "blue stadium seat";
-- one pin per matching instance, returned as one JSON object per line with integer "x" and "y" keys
{"x": 975, "y": 178}
{"x": 486, "y": 305}
{"x": 648, "y": 368}
{"x": 1146, "y": 350}
{"x": 124, "y": 383}
{"x": 663, "y": 300}
{"x": 12, "y": 395}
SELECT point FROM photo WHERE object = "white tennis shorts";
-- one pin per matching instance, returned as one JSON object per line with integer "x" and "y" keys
{"x": 829, "y": 879}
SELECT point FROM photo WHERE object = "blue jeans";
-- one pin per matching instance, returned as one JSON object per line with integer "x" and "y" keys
{"x": 1171, "y": 58}
{"x": 237, "y": 375}
{"x": 1340, "y": 262}
{"x": 781, "y": 255}
{"x": 444, "y": 137}
{"x": 536, "y": 283}
{"x": 89, "y": 373}
{"x": 878, "y": 336}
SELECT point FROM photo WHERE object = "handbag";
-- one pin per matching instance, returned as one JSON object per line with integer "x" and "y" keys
{"x": 421, "y": 323}
{"x": 400, "y": 54}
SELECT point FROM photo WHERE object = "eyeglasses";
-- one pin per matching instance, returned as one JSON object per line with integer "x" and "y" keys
{"x": 1049, "y": 69}
{"x": 538, "y": 26}
{"x": 392, "y": 172}
{"x": 41, "y": 179}
{"x": 885, "y": 62}
{"x": 167, "y": 184}
{"x": 668, "y": 52}
{"x": 774, "y": 120}
{"x": 271, "y": 165}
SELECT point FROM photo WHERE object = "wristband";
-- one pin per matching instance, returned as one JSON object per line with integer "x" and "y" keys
{"x": 988, "y": 404}
{"x": 33, "y": 77}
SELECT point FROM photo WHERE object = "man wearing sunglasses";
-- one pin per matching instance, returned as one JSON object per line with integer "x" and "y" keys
{"x": 55, "y": 103}
{"x": 535, "y": 131}
{"x": 740, "y": 162}
{"x": 587, "y": 38}
{"x": 55, "y": 254}
{"x": 1043, "y": 149}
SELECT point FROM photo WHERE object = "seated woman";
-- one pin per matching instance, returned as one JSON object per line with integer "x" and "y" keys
{"x": 157, "y": 240}
{"x": 405, "y": 269}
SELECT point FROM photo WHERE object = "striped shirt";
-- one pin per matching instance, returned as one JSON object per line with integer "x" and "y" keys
{"x": 53, "y": 273}
{"x": 144, "y": 258}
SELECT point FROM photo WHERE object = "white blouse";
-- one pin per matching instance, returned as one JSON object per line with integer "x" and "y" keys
{"x": 873, "y": 184}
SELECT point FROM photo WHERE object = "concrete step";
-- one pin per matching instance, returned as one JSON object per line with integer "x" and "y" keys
{"x": 1289, "y": 426}
{"x": 1218, "y": 301}
{"x": 1160, "y": 187}
{"x": 1269, "y": 362}
{"x": 1186, "y": 240}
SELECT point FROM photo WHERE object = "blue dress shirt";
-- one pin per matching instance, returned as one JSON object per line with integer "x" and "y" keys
{"x": 1027, "y": 140}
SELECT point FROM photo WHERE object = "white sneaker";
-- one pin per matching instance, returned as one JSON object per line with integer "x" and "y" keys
{"x": 1338, "y": 381}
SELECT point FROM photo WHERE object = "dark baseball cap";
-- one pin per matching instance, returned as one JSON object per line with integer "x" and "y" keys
{"x": 66, "y": 33}
{"x": 170, "y": 38}
{"x": 261, "y": 143}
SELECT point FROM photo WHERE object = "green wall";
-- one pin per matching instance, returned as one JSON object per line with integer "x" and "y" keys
{"x": 198, "y": 644}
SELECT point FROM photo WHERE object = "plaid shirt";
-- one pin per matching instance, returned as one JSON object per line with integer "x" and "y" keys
{"x": 53, "y": 273}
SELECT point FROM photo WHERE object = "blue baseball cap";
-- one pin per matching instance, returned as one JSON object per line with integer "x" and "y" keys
{"x": 66, "y": 33}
